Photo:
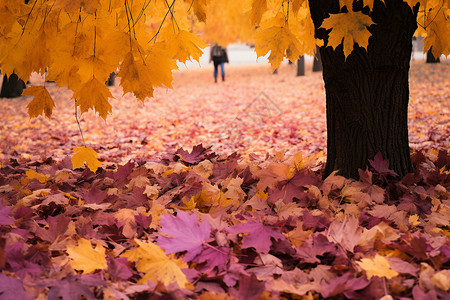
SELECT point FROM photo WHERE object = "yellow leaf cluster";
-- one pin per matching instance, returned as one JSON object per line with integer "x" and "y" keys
{"x": 434, "y": 24}
{"x": 156, "y": 265}
{"x": 85, "y": 258}
{"x": 347, "y": 29}
{"x": 287, "y": 35}
{"x": 85, "y": 155}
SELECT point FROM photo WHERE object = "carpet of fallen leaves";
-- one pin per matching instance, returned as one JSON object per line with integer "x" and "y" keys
{"x": 159, "y": 221}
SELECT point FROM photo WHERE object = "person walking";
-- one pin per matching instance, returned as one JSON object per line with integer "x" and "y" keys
{"x": 219, "y": 57}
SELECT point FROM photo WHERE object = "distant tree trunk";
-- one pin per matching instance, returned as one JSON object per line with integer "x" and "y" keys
{"x": 431, "y": 58}
{"x": 301, "y": 66}
{"x": 317, "y": 65}
{"x": 367, "y": 94}
{"x": 12, "y": 87}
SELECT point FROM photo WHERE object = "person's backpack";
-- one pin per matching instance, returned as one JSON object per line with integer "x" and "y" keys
{"x": 216, "y": 51}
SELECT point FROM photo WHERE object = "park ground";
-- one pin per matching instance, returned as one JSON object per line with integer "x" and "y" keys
{"x": 159, "y": 222}
{"x": 253, "y": 111}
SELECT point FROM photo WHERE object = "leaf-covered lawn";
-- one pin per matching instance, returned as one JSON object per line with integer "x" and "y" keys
{"x": 204, "y": 222}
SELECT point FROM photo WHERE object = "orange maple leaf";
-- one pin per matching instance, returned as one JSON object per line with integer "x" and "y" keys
{"x": 42, "y": 102}
{"x": 85, "y": 154}
{"x": 94, "y": 94}
{"x": 347, "y": 29}
{"x": 377, "y": 266}
{"x": 156, "y": 265}
{"x": 85, "y": 258}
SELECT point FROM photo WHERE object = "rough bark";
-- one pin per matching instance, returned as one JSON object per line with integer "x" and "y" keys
{"x": 301, "y": 66}
{"x": 367, "y": 94}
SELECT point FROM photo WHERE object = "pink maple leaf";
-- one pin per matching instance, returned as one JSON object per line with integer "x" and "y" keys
{"x": 381, "y": 165}
{"x": 258, "y": 235}
{"x": 182, "y": 233}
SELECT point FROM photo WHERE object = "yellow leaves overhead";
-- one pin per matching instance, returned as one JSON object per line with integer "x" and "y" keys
{"x": 199, "y": 7}
{"x": 136, "y": 77}
{"x": 42, "y": 102}
{"x": 377, "y": 266}
{"x": 348, "y": 29}
{"x": 259, "y": 7}
{"x": 434, "y": 24}
{"x": 156, "y": 265}
{"x": 85, "y": 155}
{"x": 85, "y": 258}
{"x": 94, "y": 94}
{"x": 185, "y": 45}
{"x": 280, "y": 41}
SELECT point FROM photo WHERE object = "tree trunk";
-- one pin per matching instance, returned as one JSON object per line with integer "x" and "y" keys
{"x": 301, "y": 66}
{"x": 367, "y": 94}
{"x": 12, "y": 87}
{"x": 317, "y": 65}
{"x": 431, "y": 58}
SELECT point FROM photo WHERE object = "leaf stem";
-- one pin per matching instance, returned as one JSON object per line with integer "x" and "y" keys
{"x": 78, "y": 122}
{"x": 162, "y": 22}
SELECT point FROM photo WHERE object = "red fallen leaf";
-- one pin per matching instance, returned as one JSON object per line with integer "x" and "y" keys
{"x": 223, "y": 169}
{"x": 12, "y": 288}
{"x": 414, "y": 245}
{"x": 56, "y": 226}
{"x": 316, "y": 245}
{"x": 287, "y": 190}
{"x": 346, "y": 234}
{"x": 257, "y": 235}
{"x": 95, "y": 195}
{"x": 401, "y": 266}
{"x": 182, "y": 233}
{"x": 73, "y": 286}
{"x": 120, "y": 176}
{"x": 118, "y": 268}
{"x": 234, "y": 272}
{"x": 19, "y": 263}
{"x": 5, "y": 218}
{"x": 381, "y": 165}
{"x": 143, "y": 220}
{"x": 213, "y": 257}
{"x": 249, "y": 288}
{"x": 197, "y": 154}
{"x": 310, "y": 221}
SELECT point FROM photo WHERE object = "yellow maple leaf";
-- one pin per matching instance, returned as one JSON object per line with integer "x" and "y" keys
{"x": 347, "y": 29}
{"x": 259, "y": 7}
{"x": 85, "y": 154}
{"x": 437, "y": 27}
{"x": 185, "y": 45}
{"x": 42, "y": 102}
{"x": 414, "y": 220}
{"x": 94, "y": 94}
{"x": 199, "y": 7}
{"x": 85, "y": 258}
{"x": 280, "y": 41}
{"x": 377, "y": 266}
{"x": 135, "y": 77}
{"x": 156, "y": 265}
{"x": 33, "y": 174}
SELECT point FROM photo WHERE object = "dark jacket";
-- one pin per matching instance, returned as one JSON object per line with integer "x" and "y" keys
{"x": 218, "y": 54}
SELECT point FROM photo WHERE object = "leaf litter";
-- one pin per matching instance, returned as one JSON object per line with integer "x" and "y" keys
{"x": 207, "y": 222}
